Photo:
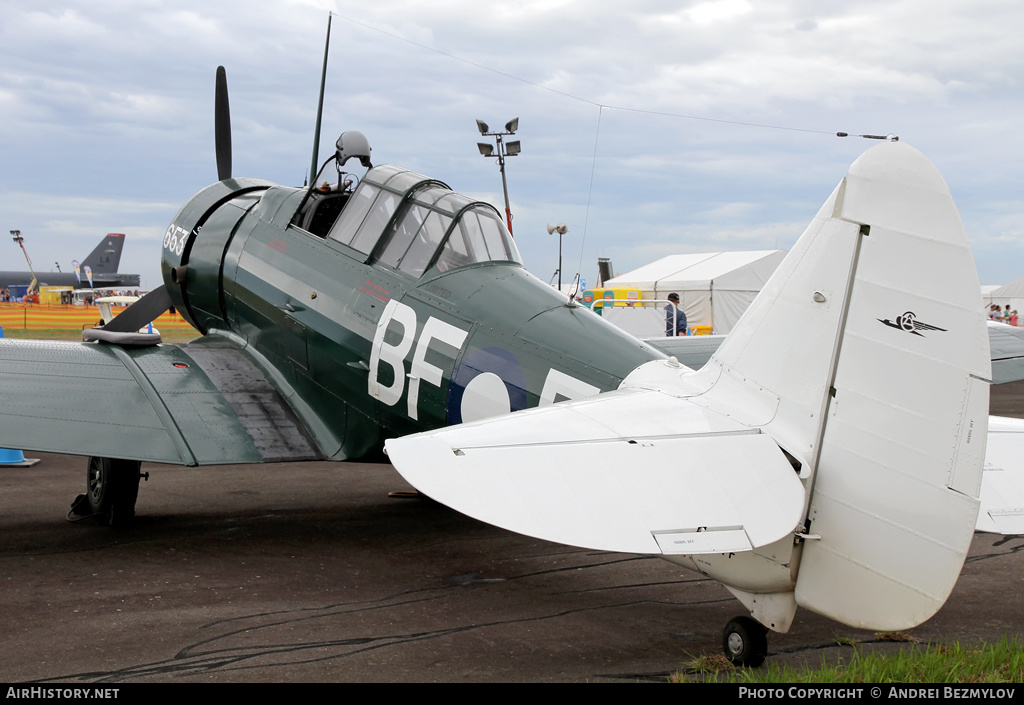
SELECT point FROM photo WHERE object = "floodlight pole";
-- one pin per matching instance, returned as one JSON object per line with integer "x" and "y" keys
{"x": 16, "y": 234}
{"x": 503, "y": 150}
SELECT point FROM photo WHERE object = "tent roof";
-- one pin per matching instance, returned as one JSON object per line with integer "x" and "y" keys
{"x": 695, "y": 270}
{"x": 1014, "y": 289}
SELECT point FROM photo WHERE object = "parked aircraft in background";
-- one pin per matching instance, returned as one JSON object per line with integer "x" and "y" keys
{"x": 794, "y": 469}
{"x": 1006, "y": 345}
{"x": 103, "y": 262}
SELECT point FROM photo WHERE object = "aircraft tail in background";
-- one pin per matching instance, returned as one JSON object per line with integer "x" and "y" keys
{"x": 106, "y": 257}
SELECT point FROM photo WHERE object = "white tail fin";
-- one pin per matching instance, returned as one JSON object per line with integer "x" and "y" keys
{"x": 866, "y": 358}
{"x": 872, "y": 337}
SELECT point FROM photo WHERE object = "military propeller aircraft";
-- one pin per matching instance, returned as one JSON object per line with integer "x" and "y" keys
{"x": 795, "y": 470}
{"x": 310, "y": 300}
{"x": 102, "y": 262}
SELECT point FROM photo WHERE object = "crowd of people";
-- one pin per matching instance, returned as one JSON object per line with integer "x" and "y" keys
{"x": 68, "y": 296}
{"x": 1003, "y": 315}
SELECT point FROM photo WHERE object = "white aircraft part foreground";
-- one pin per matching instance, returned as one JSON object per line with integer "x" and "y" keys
{"x": 838, "y": 469}
{"x": 895, "y": 495}
{"x": 720, "y": 486}
{"x": 1002, "y": 487}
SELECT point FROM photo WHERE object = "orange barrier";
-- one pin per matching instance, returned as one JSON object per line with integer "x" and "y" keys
{"x": 64, "y": 317}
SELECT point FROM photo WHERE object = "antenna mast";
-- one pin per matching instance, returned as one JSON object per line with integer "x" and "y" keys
{"x": 320, "y": 105}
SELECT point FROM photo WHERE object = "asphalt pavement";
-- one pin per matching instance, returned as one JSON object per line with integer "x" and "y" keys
{"x": 312, "y": 572}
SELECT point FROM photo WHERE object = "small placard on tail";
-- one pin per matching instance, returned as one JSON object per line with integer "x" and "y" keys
{"x": 686, "y": 541}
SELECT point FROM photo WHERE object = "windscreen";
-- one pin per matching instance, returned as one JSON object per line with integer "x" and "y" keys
{"x": 480, "y": 236}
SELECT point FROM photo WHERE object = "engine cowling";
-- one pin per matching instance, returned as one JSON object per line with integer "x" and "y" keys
{"x": 194, "y": 245}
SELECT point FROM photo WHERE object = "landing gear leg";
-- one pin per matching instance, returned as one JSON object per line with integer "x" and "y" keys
{"x": 111, "y": 488}
{"x": 745, "y": 642}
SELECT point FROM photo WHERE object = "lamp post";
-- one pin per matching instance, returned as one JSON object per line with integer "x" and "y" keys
{"x": 504, "y": 149}
{"x": 561, "y": 229}
{"x": 16, "y": 234}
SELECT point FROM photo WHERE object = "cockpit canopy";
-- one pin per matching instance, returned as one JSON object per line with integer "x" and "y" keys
{"x": 410, "y": 222}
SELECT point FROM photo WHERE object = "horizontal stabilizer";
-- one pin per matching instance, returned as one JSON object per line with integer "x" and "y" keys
{"x": 579, "y": 473}
{"x": 1002, "y": 485}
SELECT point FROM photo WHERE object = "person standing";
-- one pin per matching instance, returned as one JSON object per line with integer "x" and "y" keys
{"x": 675, "y": 319}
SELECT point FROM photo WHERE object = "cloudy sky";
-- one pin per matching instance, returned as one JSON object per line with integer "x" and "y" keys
{"x": 649, "y": 128}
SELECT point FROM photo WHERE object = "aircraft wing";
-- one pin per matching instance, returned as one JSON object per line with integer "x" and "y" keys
{"x": 1007, "y": 346}
{"x": 190, "y": 405}
{"x": 692, "y": 350}
{"x": 1005, "y": 342}
{"x": 636, "y": 471}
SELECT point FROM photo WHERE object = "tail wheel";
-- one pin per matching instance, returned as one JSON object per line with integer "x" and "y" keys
{"x": 745, "y": 642}
{"x": 112, "y": 487}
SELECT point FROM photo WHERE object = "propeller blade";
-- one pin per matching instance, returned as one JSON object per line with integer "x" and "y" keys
{"x": 142, "y": 312}
{"x": 222, "y": 125}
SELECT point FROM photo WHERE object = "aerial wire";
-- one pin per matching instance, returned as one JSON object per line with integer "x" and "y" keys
{"x": 601, "y": 108}
{"x": 590, "y": 191}
{"x": 587, "y": 100}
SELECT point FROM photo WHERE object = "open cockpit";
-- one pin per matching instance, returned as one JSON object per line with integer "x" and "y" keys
{"x": 407, "y": 222}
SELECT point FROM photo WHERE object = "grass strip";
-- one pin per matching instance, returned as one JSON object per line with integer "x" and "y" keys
{"x": 1002, "y": 662}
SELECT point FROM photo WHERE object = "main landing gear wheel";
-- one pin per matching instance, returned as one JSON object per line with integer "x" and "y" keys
{"x": 111, "y": 489}
{"x": 745, "y": 642}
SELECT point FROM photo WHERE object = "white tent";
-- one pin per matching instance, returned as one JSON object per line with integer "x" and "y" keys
{"x": 1012, "y": 294}
{"x": 714, "y": 288}
{"x": 986, "y": 291}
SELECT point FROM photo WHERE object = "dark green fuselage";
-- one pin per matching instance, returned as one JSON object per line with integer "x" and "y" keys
{"x": 366, "y": 344}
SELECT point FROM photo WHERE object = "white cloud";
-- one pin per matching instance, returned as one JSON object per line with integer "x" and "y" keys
{"x": 717, "y": 11}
